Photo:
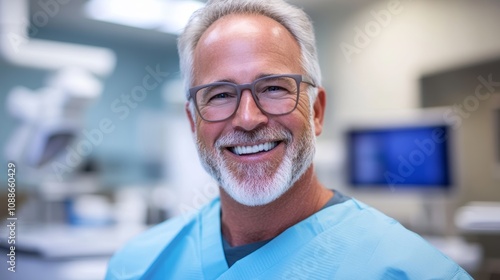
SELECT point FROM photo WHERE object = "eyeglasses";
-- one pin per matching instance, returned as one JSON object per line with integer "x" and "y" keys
{"x": 275, "y": 95}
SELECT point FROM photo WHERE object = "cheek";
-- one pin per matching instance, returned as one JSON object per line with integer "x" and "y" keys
{"x": 297, "y": 122}
{"x": 303, "y": 108}
{"x": 208, "y": 133}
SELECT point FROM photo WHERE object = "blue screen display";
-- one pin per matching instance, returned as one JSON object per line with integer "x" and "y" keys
{"x": 399, "y": 156}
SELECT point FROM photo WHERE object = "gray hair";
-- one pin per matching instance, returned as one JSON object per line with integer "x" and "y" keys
{"x": 292, "y": 18}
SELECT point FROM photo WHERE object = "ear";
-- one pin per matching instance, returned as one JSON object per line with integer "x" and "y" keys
{"x": 190, "y": 116}
{"x": 319, "y": 110}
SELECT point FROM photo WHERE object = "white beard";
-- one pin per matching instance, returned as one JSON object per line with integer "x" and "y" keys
{"x": 254, "y": 185}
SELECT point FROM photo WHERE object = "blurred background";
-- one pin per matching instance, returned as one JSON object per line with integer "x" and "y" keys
{"x": 92, "y": 116}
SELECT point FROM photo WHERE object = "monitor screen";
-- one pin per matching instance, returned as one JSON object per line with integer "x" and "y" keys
{"x": 399, "y": 157}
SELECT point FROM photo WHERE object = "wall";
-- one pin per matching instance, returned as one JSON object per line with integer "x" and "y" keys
{"x": 473, "y": 92}
{"x": 380, "y": 71}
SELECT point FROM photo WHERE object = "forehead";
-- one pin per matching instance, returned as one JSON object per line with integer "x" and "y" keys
{"x": 249, "y": 41}
{"x": 243, "y": 25}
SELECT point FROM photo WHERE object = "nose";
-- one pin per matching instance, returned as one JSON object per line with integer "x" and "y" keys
{"x": 248, "y": 116}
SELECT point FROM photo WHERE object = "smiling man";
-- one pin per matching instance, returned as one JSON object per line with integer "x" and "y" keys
{"x": 256, "y": 105}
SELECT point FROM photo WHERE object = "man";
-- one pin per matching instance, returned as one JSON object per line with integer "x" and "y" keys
{"x": 255, "y": 105}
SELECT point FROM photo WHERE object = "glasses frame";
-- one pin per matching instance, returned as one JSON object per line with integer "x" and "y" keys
{"x": 250, "y": 86}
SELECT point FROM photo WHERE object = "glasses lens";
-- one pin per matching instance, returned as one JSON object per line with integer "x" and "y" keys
{"x": 277, "y": 95}
{"x": 216, "y": 102}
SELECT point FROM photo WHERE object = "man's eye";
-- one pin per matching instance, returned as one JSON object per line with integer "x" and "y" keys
{"x": 275, "y": 88}
{"x": 275, "y": 91}
{"x": 220, "y": 96}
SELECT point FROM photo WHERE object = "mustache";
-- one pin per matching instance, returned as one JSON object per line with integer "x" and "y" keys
{"x": 266, "y": 134}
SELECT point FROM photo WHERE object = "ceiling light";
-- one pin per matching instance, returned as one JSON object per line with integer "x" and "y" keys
{"x": 164, "y": 15}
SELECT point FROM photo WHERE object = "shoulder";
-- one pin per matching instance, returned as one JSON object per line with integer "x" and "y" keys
{"x": 138, "y": 254}
{"x": 373, "y": 228}
{"x": 135, "y": 258}
{"x": 352, "y": 213}
{"x": 386, "y": 248}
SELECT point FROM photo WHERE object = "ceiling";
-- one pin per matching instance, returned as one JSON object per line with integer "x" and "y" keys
{"x": 71, "y": 19}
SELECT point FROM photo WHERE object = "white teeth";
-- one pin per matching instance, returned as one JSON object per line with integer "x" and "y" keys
{"x": 244, "y": 150}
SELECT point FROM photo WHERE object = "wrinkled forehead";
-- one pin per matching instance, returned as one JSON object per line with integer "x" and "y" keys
{"x": 232, "y": 34}
{"x": 244, "y": 25}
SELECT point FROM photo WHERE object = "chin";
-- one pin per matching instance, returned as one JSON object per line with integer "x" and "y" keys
{"x": 255, "y": 199}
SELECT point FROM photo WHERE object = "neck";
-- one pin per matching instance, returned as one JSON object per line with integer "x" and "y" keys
{"x": 243, "y": 224}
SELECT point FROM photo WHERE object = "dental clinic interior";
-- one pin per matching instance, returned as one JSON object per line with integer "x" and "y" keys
{"x": 95, "y": 145}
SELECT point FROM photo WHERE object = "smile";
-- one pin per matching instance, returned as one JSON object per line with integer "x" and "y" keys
{"x": 246, "y": 150}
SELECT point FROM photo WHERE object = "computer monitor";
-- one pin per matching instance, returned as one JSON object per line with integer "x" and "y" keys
{"x": 400, "y": 155}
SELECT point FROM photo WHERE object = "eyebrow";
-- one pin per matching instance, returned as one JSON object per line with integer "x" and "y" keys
{"x": 234, "y": 82}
